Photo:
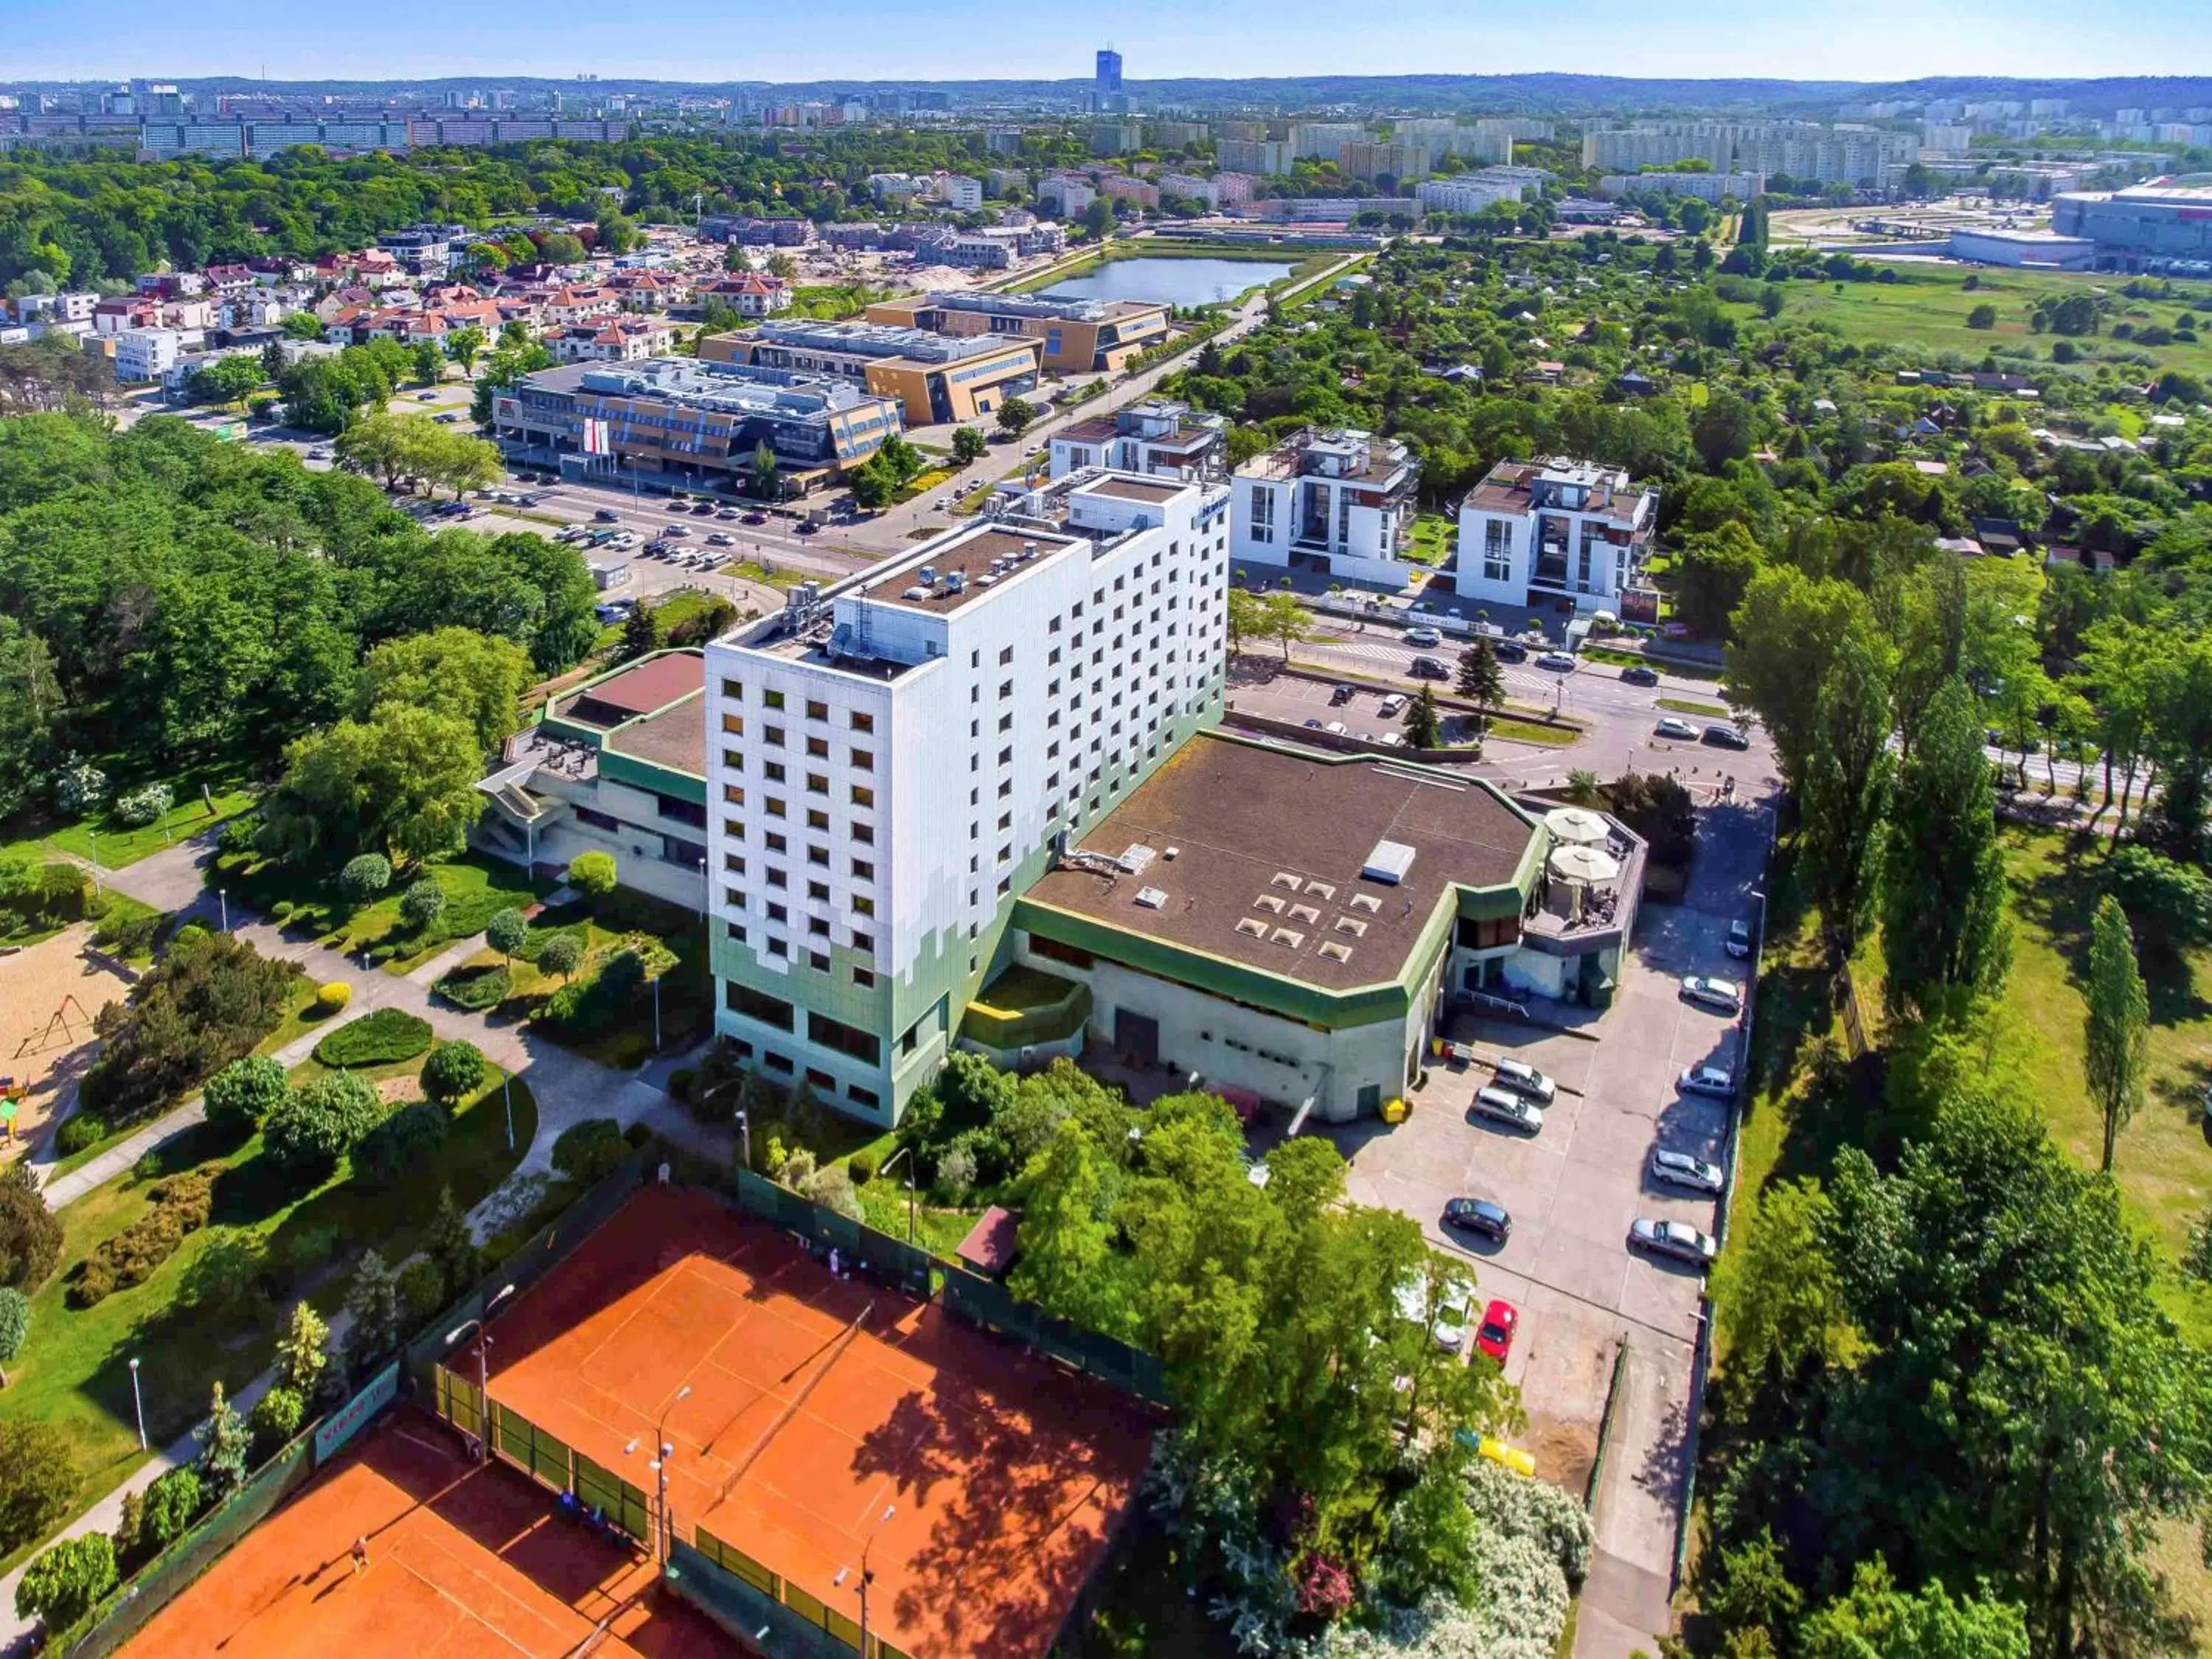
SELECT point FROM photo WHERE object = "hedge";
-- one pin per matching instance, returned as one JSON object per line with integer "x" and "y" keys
{"x": 181, "y": 1204}
{"x": 475, "y": 988}
{"x": 384, "y": 1037}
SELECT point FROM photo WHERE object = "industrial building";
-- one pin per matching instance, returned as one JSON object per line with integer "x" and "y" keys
{"x": 934, "y": 377}
{"x": 1078, "y": 337}
{"x": 2163, "y": 226}
{"x": 680, "y": 423}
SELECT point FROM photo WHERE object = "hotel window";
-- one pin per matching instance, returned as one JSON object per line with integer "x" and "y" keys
{"x": 864, "y": 907}
{"x": 863, "y": 978}
{"x": 816, "y": 820}
{"x": 817, "y": 783}
{"x": 863, "y": 796}
{"x": 772, "y": 736}
{"x": 774, "y": 842}
{"x": 734, "y": 725}
{"x": 733, "y": 864}
{"x": 863, "y": 870}
{"x": 733, "y": 794}
{"x": 817, "y": 711}
{"x": 863, "y": 834}
{"x": 773, "y": 771}
{"x": 863, "y": 722}
{"x": 863, "y": 761}
{"x": 772, "y": 700}
{"x": 1497, "y": 551}
{"x": 818, "y": 855}
{"x": 734, "y": 689}
{"x": 818, "y": 747}
{"x": 1263, "y": 514}
{"x": 734, "y": 759}
{"x": 777, "y": 913}
{"x": 773, "y": 807}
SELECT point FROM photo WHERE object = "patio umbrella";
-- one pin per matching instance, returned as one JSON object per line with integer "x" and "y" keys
{"x": 1574, "y": 825}
{"x": 1584, "y": 863}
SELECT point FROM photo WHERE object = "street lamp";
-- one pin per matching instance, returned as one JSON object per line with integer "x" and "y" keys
{"x": 868, "y": 1577}
{"x": 906, "y": 1152}
{"x": 660, "y": 1467}
{"x": 223, "y": 901}
{"x": 484, "y": 1366}
{"x": 138, "y": 1400}
{"x": 744, "y": 1139}
{"x": 507, "y": 1096}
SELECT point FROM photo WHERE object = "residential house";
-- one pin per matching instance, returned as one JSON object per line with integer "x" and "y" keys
{"x": 1338, "y": 502}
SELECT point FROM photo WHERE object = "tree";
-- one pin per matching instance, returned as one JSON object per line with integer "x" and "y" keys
{"x": 428, "y": 362}
{"x": 560, "y": 248}
{"x": 65, "y": 1582}
{"x": 1480, "y": 680}
{"x": 1425, "y": 726}
{"x": 1944, "y": 928}
{"x": 450, "y": 1247}
{"x": 453, "y": 1072}
{"x": 38, "y": 1481}
{"x": 1015, "y": 416}
{"x": 172, "y": 1502}
{"x": 402, "y": 1144}
{"x": 465, "y": 346}
{"x": 242, "y": 1094}
{"x": 767, "y": 482}
{"x": 1845, "y": 793}
{"x": 1715, "y": 572}
{"x": 1284, "y": 620}
{"x": 1983, "y": 316}
{"x": 401, "y": 782}
{"x": 640, "y": 634}
{"x": 421, "y": 904}
{"x": 14, "y": 1323}
{"x": 373, "y": 1307}
{"x": 365, "y": 877}
{"x": 30, "y": 1233}
{"x": 303, "y": 326}
{"x": 454, "y": 672}
{"x": 275, "y": 1417}
{"x": 1877, "y": 1621}
{"x": 303, "y": 1351}
{"x": 2116, "y": 1025}
{"x": 1777, "y": 655}
{"x": 320, "y": 1123}
{"x": 592, "y": 874}
{"x": 507, "y": 933}
{"x": 969, "y": 445}
{"x": 561, "y": 955}
{"x": 1783, "y": 1301}
{"x": 1246, "y": 616}
{"x": 1724, "y": 430}
{"x": 227, "y": 379}
{"x": 32, "y": 708}
{"x": 224, "y": 1442}
{"x": 207, "y": 1002}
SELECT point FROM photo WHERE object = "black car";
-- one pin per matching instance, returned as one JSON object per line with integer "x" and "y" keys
{"x": 1427, "y": 668}
{"x": 607, "y": 515}
{"x": 1508, "y": 651}
{"x": 1479, "y": 1215}
{"x": 1639, "y": 676}
{"x": 1342, "y": 693}
{"x": 1727, "y": 737}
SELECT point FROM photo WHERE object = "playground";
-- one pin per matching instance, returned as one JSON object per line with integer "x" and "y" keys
{"x": 461, "y": 1559}
{"x": 822, "y": 1431}
{"x": 49, "y": 993}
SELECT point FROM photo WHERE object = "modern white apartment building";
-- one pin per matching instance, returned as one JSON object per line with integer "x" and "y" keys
{"x": 145, "y": 354}
{"x": 894, "y": 761}
{"x": 1471, "y": 192}
{"x": 1156, "y": 437}
{"x": 1338, "y": 502}
{"x": 1534, "y": 532}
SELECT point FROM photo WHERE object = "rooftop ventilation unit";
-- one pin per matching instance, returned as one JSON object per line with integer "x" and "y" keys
{"x": 1152, "y": 898}
{"x": 1029, "y": 551}
{"x": 987, "y": 581}
{"x": 912, "y": 593}
{"x": 1388, "y": 863}
{"x": 955, "y": 582}
{"x": 1171, "y": 853}
{"x": 1135, "y": 857}
{"x": 927, "y": 575}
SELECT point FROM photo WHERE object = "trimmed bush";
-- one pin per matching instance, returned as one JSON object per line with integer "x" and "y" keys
{"x": 37, "y": 896}
{"x": 405, "y": 1142}
{"x": 30, "y": 1233}
{"x": 507, "y": 932}
{"x": 383, "y": 1038}
{"x": 276, "y": 1418}
{"x": 421, "y": 1292}
{"x": 421, "y": 904}
{"x": 592, "y": 874}
{"x": 681, "y": 1082}
{"x": 561, "y": 955}
{"x": 171, "y": 1503}
{"x": 14, "y": 1323}
{"x": 180, "y": 1206}
{"x": 332, "y": 997}
{"x": 863, "y": 1165}
{"x": 78, "y": 1133}
{"x": 243, "y": 1093}
{"x": 144, "y": 806}
{"x": 320, "y": 1123}
{"x": 589, "y": 1151}
{"x": 453, "y": 1072}
{"x": 582, "y": 1008}
{"x": 364, "y": 878}
{"x": 476, "y": 988}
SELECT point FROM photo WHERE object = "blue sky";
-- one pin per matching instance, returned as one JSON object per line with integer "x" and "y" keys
{"x": 886, "y": 39}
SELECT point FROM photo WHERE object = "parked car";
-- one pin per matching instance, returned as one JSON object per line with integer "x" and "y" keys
{"x": 721, "y": 538}
{"x": 1508, "y": 651}
{"x": 1503, "y": 1106}
{"x": 1424, "y": 636}
{"x": 1335, "y": 728}
{"x": 1738, "y": 939}
{"x": 703, "y": 510}
{"x": 1716, "y": 1081}
{"x": 425, "y": 397}
{"x": 729, "y": 512}
{"x": 1723, "y": 993}
{"x": 1726, "y": 737}
{"x": 1428, "y": 668}
{"x": 1392, "y": 706}
{"x": 1450, "y": 1326}
{"x": 1342, "y": 693}
{"x": 679, "y": 504}
{"x": 1494, "y": 1336}
{"x": 1674, "y": 726}
{"x": 1677, "y": 1239}
{"x": 1479, "y": 1215}
{"x": 447, "y": 419}
{"x": 805, "y": 527}
{"x": 1639, "y": 676}
{"x": 679, "y": 531}
{"x": 1560, "y": 662}
{"x": 320, "y": 452}
{"x": 1524, "y": 1079}
{"x": 1681, "y": 1169}
{"x": 756, "y": 517}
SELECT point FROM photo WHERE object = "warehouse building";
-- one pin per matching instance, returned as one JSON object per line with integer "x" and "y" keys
{"x": 2163, "y": 226}
{"x": 935, "y": 378}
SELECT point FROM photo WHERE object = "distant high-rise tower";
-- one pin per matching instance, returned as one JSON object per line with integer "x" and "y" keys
{"x": 1107, "y": 85}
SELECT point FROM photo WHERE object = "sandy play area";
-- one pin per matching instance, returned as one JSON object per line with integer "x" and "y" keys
{"x": 37, "y": 1050}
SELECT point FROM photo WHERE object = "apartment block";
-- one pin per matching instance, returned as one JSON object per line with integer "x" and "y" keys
{"x": 681, "y": 424}
{"x": 1191, "y": 186}
{"x": 145, "y": 353}
{"x": 1705, "y": 186}
{"x": 1369, "y": 160}
{"x": 1077, "y": 337}
{"x": 1471, "y": 192}
{"x": 1323, "y": 141}
{"x": 1337, "y": 503}
{"x": 892, "y": 763}
{"x": 935, "y": 378}
{"x": 1067, "y": 197}
{"x": 1535, "y": 533}
{"x": 1156, "y": 437}
{"x": 1263, "y": 156}
{"x": 1803, "y": 149}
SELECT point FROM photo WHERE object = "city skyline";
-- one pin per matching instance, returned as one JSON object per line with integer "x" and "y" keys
{"x": 856, "y": 39}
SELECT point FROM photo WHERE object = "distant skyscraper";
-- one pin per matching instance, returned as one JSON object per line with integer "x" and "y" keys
{"x": 1108, "y": 82}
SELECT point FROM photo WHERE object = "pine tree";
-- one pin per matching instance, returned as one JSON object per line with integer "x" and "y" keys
{"x": 448, "y": 1243}
{"x": 224, "y": 1440}
{"x": 1480, "y": 680}
{"x": 303, "y": 1352}
{"x": 373, "y": 1306}
{"x": 1425, "y": 726}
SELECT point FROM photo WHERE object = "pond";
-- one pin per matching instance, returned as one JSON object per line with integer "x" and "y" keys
{"x": 1170, "y": 281}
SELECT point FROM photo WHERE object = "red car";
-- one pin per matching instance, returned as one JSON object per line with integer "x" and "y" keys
{"x": 1495, "y": 1337}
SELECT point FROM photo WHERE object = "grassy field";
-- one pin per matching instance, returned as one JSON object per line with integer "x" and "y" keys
{"x": 75, "y": 1370}
{"x": 1686, "y": 706}
{"x": 106, "y": 841}
{"x": 1929, "y": 309}
{"x": 474, "y": 889}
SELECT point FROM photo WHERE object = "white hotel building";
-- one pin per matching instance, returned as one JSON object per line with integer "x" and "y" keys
{"x": 894, "y": 761}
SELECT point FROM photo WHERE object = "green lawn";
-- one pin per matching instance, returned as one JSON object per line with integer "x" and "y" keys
{"x": 475, "y": 887}
{"x": 105, "y": 842}
{"x": 75, "y": 1370}
{"x": 1929, "y": 309}
{"x": 1551, "y": 737}
{"x": 1431, "y": 543}
{"x": 1620, "y": 658}
{"x": 1687, "y": 706}
{"x": 938, "y": 1231}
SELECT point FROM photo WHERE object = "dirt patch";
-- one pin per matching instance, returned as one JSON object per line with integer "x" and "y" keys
{"x": 399, "y": 1090}
{"x": 48, "y": 996}
{"x": 1565, "y": 1452}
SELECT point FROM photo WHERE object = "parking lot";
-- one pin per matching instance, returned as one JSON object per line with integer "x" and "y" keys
{"x": 1573, "y": 1191}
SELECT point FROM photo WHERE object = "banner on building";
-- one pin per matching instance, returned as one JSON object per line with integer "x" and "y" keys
{"x": 349, "y": 1419}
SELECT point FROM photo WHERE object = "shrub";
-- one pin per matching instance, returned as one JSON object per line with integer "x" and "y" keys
{"x": 14, "y": 1323}
{"x": 421, "y": 1292}
{"x": 864, "y": 1164}
{"x": 476, "y": 988}
{"x": 587, "y": 1153}
{"x": 283, "y": 909}
{"x": 206, "y": 1003}
{"x": 317, "y": 1125}
{"x": 592, "y": 874}
{"x": 78, "y": 1133}
{"x": 171, "y": 1503}
{"x": 453, "y": 1071}
{"x": 275, "y": 1418}
{"x": 955, "y": 1174}
{"x": 38, "y": 1481}
{"x": 421, "y": 904}
{"x": 384, "y": 1036}
{"x": 681, "y": 1082}
{"x": 403, "y": 1142}
{"x": 64, "y": 1584}
{"x": 333, "y": 996}
{"x": 44, "y": 895}
{"x": 507, "y": 932}
{"x": 562, "y": 955}
{"x": 79, "y": 788}
{"x": 30, "y": 1233}
{"x": 144, "y": 806}
{"x": 364, "y": 878}
{"x": 241, "y": 1095}
{"x": 129, "y": 933}
{"x": 832, "y": 1188}
{"x": 180, "y": 1205}
{"x": 582, "y": 1007}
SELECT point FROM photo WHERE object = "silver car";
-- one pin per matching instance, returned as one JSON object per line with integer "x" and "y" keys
{"x": 1525, "y": 1080}
{"x": 1681, "y": 1169}
{"x": 1677, "y": 1239}
{"x": 1672, "y": 725}
{"x": 1723, "y": 993}
{"x": 1503, "y": 1106}
{"x": 1716, "y": 1081}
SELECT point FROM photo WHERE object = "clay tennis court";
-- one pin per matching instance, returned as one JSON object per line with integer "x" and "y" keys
{"x": 464, "y": 1560}
{"x": 825, "y": 1416}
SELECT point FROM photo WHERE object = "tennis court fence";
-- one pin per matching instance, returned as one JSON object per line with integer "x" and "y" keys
{"x": 765, "y": 1612}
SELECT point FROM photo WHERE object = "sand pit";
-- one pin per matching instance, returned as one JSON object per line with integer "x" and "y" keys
{"x": 47, "y": 1054}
